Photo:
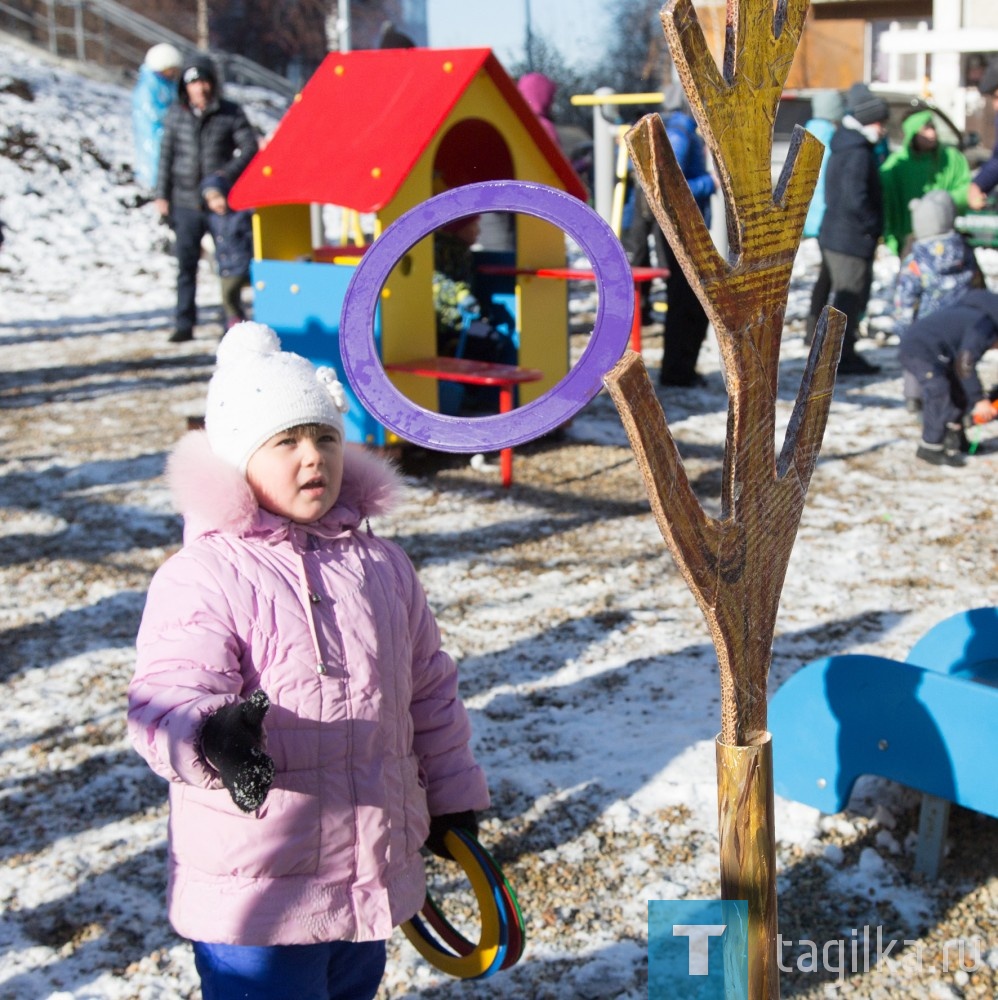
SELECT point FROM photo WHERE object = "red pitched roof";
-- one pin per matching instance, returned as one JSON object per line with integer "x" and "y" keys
{"x": 363, "y": 120}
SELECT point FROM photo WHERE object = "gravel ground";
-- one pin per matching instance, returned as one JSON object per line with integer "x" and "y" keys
{"x": 87, "y": 417}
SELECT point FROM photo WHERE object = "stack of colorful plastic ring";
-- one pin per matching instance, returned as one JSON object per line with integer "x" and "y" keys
{"x": 502, "y": 939}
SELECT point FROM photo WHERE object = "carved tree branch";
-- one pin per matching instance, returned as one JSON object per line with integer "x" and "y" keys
{"x": 735, "y": 565}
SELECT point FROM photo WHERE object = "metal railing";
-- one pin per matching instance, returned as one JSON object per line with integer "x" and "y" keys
{"x": 114, "y": 36}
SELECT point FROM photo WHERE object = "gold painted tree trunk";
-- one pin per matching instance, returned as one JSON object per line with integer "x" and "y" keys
{"x": 735, "y": 564}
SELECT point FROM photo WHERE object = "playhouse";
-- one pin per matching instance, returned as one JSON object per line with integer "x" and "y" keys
{"x": 381, "y": 131}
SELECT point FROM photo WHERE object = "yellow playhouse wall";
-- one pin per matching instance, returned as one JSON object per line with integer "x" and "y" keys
{"x": 542, "y": 303}
{"x": 282, "y": 232}
{"x": 408, "y": 321}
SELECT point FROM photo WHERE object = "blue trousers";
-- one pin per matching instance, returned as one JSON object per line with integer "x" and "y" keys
{"x": 339, "y": 970}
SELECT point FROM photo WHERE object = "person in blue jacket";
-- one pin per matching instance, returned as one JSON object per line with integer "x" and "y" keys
{"x": 685, "y": 320}
{"x": 827, "y": 109}
{"x": 941, "y": 351}
{"x": 154, "y": 92}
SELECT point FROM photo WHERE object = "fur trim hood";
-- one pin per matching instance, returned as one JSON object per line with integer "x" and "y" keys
{"x": 213, "y": 496}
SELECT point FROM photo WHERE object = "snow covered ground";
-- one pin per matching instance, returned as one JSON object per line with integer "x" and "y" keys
{"x": 585, "y": 662}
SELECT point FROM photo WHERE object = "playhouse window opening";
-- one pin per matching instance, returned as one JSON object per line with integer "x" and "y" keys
{"x": 337, "y": 226}
{"x": 501, "y": 289}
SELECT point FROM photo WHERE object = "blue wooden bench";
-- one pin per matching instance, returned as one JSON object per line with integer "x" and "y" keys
{"x": 930, "y": 722}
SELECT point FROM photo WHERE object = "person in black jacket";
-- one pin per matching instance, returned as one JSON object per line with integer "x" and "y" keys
{"x": 854, "y": 215}
{"x": 941, "y": 352}
{"x": 203, "y": 135}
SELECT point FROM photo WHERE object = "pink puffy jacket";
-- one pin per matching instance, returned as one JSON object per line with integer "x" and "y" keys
{"x": 366, "y": 730}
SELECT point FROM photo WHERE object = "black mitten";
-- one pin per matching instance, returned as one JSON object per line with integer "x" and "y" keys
{"x": 439, "y": 825}
{"x": 230, "y": 742}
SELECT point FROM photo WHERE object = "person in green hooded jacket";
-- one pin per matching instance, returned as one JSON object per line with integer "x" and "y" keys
{"x": 922, "y": 164}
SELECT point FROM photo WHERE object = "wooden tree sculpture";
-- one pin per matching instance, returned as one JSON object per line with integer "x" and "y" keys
{"x": 735, "y": 564}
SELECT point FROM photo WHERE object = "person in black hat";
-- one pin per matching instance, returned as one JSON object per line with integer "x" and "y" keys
{"x": 986, "y": 178}
{"x": 854, "y": 215}
{"x": 203, "y": 136}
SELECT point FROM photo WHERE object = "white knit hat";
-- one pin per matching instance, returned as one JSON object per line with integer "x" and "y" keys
{"x": 258, "y": 390}
{"x": 163, "y": 57}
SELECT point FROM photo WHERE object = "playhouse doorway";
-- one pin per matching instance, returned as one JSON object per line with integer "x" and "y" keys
{"x": 475, "y": 150}
{"x": 472, "y": 150}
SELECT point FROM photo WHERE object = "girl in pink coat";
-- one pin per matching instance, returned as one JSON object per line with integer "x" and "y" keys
{"x": 291, "y": 687}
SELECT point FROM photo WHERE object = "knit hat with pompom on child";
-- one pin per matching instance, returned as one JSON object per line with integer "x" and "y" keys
{"x": 259, "y": 390}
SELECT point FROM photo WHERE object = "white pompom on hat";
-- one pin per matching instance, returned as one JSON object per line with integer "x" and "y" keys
{"x": 259, "y": 390}
{"x": 162, "y": 57}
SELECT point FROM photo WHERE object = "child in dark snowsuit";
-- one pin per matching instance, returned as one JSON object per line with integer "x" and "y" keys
{"x": 939, "y": 267}
{"x": 232, "y": 233}
{"x": 941, "y": 352}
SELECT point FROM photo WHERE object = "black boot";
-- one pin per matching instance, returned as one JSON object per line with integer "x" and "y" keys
{"x": 856, "y": 364}
{"x": 955, "y": 439}
{"x": 936, "y": 454}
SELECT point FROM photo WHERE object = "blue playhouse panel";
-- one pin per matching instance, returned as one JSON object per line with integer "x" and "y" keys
{"x": 301, "y": 301}
{"x": 963, "y": 645}
{"x": 844, "y": 716}
{"x": 497, "y": 292}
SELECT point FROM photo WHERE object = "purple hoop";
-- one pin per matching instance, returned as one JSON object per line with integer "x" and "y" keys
{"x": 609, "y": 338}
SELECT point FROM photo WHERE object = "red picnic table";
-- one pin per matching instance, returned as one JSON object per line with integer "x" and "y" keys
{"x": 503, "y": 377}
{"x": 639, "y": 275}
